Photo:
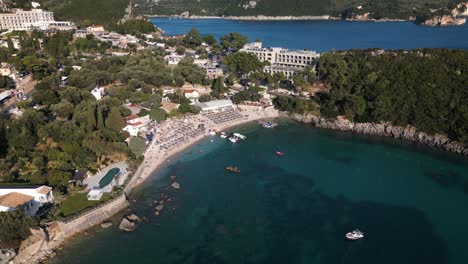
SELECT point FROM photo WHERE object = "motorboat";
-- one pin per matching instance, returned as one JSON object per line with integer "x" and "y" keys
{"x": 239, "y": 136}
{"x": 279, "y": 153}
{"x": 233, "y": 169}
{"x": 235, "y": 137}
{"x": 355, "y": 235}
{"x": 223, "y": 135}
{"x": 212, "y": 132}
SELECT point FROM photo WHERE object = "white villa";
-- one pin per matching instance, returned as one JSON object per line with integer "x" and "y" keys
{"x": 98, "y": 93}
{"x": 136, "y": 125}
{"x": 27, "y": 198}
{"x": 191, "y": 94}
{"x": 173, "y": 59}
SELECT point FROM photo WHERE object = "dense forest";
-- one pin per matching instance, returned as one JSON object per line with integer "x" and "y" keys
{"x": 425, "y": 88}
{"x": 71, "y": 129}
{"x": 87, "y": 11}
{"x": 377, "y": 8}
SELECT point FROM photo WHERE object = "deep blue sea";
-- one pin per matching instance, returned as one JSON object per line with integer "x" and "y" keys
{"x": 324, "y": 36}
{"x": 410, "y": 200}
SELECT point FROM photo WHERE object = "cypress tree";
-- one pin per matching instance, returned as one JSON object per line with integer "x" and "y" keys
{"x": 115, "y": 121}
{"x": 100, "y": 118}
{"x": 92, "y": 116}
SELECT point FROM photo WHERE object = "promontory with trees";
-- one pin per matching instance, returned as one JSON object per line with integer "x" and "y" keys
{"x": 64, "y": 128}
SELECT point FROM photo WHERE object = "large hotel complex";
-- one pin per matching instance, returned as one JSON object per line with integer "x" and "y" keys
{"x": 30, "y": 20}
{"x": 286, "y": 61}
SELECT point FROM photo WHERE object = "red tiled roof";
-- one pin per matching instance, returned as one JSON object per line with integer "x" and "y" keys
{"x": 130, "y": 117}
{"x": 14, "y": 199}
{"x": 44, "y": 190}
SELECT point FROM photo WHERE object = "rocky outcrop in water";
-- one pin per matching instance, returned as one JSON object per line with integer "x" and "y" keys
{"x": 126, "y": 225}
{"x": 445, "y": 20}
{"x": 385, "y": 129}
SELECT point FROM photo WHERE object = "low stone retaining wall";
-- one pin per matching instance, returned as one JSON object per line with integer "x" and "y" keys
{"x": 43, "y": 243}
{"x": 96, "y": 216}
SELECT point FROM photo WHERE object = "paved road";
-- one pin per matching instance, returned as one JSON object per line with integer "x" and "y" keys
{"x": 24, "y": 85}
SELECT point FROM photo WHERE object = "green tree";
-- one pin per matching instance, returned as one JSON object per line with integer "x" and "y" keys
{"x": 180, "y": 50}
{"x": 205, "y": 98}
{"x": 100, "y": 117}
{"x": 137, "y": 145}
{"x": 209, "y": 40}
{"x": 158, "y": 114}
{"x": 64, "y": 109}
{"x": 193, "y": 39}
{"x": 242, "y": 62}
{"x": 10, "y": 46}
{"x": 115, "y": 120}
{"x": 14, "y": 228}
{"x": 91, "y": 117}
{"x": 218, "y": 87}
{"x": 233, "y": 41}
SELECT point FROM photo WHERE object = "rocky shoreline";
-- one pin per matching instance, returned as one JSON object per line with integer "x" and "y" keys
{"x": 385, "y": 129}
{"x": 247, "y": 18}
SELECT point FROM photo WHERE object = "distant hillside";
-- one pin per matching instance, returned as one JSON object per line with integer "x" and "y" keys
{"x": 378, "y": 8}
{"x": 87, "y": 11}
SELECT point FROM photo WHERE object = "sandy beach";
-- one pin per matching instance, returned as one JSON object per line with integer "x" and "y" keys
{"x": 162, "y": 148}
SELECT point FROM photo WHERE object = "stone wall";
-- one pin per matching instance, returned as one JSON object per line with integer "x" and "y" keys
{"x": 43, "y": 242}
{"x": 385, "y": 129}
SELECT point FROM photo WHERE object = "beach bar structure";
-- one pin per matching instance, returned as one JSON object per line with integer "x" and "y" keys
{"x": 215, "y": 106}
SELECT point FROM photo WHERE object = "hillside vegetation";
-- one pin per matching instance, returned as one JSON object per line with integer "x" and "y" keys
{"x": 87, "y": 11}
{"x": 423, "y": 88}
{"x": 377, "y": 8}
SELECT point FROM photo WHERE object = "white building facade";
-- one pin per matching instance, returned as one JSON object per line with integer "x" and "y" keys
{"x": 22, "y": 20}
{"x": 282, "y": 60}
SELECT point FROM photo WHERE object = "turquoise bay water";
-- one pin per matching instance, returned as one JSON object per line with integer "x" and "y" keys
{"x": 410, "y": 201}
{"x": 324, "y": 36}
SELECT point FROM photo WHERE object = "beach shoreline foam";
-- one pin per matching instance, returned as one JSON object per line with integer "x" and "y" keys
{"x": 153, "y": 161}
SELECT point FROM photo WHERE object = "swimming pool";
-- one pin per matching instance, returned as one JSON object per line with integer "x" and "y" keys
{"x": 107, "y": 179}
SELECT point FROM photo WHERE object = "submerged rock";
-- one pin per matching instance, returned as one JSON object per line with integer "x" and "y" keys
{"x": 106, "y": 224}
{"x": 175, "y": 185}
{"x": 126, "y": 225}
{"x": 159, "y": 207}
{"x": 133, "y": 218}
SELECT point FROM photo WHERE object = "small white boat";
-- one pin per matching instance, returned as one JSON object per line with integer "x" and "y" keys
{"x": 239, "y": 136}
{"x": 233, "y": 139}
{"x": 355, "y": 235}
{"x": 212, "y": 132}
{"x": 223, "y": 135}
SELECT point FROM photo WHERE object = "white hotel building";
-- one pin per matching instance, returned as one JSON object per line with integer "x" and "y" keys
{"x": 22, "y": 20}
{"x": 282, "y": 60}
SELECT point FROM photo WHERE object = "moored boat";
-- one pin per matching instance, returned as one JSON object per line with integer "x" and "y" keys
{"x": 236, "y": 137}
{"x": 233, "y": 169}
{"x": 223, "y": 135}
{"x": 279, "y": 153}
{"x": 355, "y": 235}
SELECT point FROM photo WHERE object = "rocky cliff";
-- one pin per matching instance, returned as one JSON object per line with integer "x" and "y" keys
{"x": 385, "y": 129}
{"x": 445, "y": 20}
